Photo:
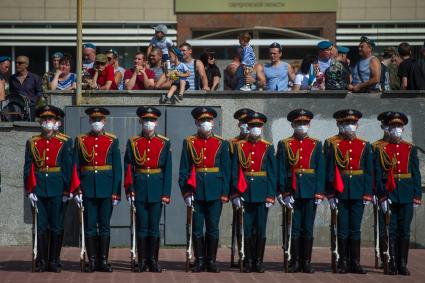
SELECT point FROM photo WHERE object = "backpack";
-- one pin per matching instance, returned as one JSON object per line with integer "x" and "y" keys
{"x": 337, "y": 76}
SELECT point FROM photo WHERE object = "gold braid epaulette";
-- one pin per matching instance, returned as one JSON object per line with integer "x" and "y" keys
{"x": 86, "y": 155}
{"x": 232, "y": 144}
{"x": 190, "y": 147}
{"x": 243, "y": 161}
{"x": 341, "y": 161}
{"x": 292, "y": 158}
{"x": 110, "y": 135}
{"x": 162, "y": 137}
{"x": 386, "y": 162}
{"x": 140, "y": 160}
{"x": 39, "y": 160}
{"x": 62, "y": 136}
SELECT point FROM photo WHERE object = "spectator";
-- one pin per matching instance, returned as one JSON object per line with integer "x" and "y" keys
{"x": 278, "y": 73}
{"x": 197, "y": 79}
{"x": 162, "y": 42}
{"x": 48, "y": 76}
{"x": 63, "y": 78}
{"x": 417, "y": 73}
{"x": 256, "y": 79}
{"x": 4, "y": 72}
{"x": 334, "y": 51}
{"x": 139, "y": 77}
{"x": 102, "y": 74}
{"x": 337, "y": 75}
{"x": 391, "y": 60}
{"x": 406, "y": 66}
{"x": 112, "y": 56}
{"x": 89, "y": 56}
{"x": 325, "y": 54}
{"x": 306, "y": 79}
{"x": 178, "y": 74}
{"x": 230, "y": 71}
{"x": 155, "y": 63}
{"x": 342, "y": 55}
{"x": 248, "y": 59}
{"x": 367, "y": 71}
{"x": 211, "y": 70}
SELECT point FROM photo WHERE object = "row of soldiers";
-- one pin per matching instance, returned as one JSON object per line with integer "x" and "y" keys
{"x": 347, "y": 170}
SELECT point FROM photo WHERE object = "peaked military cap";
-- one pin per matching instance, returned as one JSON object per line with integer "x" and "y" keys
{"x": 148, "y": 112}
{"x": 242, "y": 114}
{"x": 396, "y": 117}
{"x": 383, "y": 116}
{"x": 347, "y": 114}
{"x": 300, "y": 114}
{"x": 203, "y": 112}
{"x": 325, "y": 44}
{"x": 97, "y": 112}
{"x": 49, "y": 111}
{"x": 256, "y": 117}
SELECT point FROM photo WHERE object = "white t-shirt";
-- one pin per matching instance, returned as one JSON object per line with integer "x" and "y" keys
{"x": 163, "y": 44}
{"x": 302, "y": 79}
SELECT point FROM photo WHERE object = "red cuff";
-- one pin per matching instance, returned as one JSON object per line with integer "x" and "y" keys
{"x": 166, "y": 199}
{"x": 131, "y": 194}
{"x": 417, "y": 201}
{"x": 270, "y": 200}
{"x": 319, "y": 196}
{"x": 367, "y": 197}
{"x": 116, "y": 197}
{"x": 224, "y": 198}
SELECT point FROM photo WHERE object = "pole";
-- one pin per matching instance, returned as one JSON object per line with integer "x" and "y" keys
{"x": 79, "y": 50}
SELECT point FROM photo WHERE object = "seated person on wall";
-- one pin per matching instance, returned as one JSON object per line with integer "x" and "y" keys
{"x": 278, "y": 73}
{"x": 48, "y": 76}
{"x": 102, "y": 75}
{"x": 140, "y": 76}
{"x": 63, "y": 79}
{"x": 256, "y": 78}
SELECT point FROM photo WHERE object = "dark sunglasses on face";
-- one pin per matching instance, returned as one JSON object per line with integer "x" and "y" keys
{"x": 20, "y": 63}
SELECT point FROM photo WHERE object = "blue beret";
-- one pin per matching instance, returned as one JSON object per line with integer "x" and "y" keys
{"x": 57, "y": 55}
{"x": 5, "y": 58}
{"x": 177, "y": 51}
{"x": 89, "y": 45}
{"x": 343, "y": 49}
{"x": 324, "y": 44}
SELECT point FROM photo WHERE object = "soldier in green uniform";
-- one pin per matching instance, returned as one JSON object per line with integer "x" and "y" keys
{"x": 147, "y": 181}
{"x": 254, "y": 187}
{"x": 349, "y": 171}
{"x": 398, "y": 182}
{"x": 96, "y": 183}
{"x": 240, "y": 115}
{"x": 48, "y": 163}
{"x": 301, "y": 180}
{"x": 204, "y": 180}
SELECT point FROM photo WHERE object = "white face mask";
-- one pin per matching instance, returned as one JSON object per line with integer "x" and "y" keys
{"x": 396, "y": 132}
{"x": 148, "y": 126}
{"x": 301, "y": 130}
{"x": 256, "y": 131}
{"x": 56, "y": 126}
{"x": 244, "y": 129}
{"x": 47, "y": 125}
{"x": 205, "y": 127}
{"x": 97, "y": 126}
{"x": 350, "y": 129}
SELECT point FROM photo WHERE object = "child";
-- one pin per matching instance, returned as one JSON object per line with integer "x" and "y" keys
{"x": 178, "y": 74}
{"x": 247, "y": 57}
{"x": 162, "y": 42}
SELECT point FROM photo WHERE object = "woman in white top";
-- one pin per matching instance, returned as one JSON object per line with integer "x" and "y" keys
{"x": 112, "y": 56}
{"x": 306, "y": 79}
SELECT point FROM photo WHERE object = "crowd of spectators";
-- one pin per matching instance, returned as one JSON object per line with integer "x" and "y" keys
{"x": 168, "y": 67}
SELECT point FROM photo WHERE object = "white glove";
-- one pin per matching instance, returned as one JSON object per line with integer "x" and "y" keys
{"x": 366, "y": 202}
{"x": 79, "y": 200}
{"x": 280, "y": 199}
{"x": 385, "y": 205}
{"x": 188, "y": 201}
{"x": 288, "y": 201}
{"x": 318, "y": 201}
{"x": 237, "y": 202}
{"x": 64, "y": 199}
{"x": 269, "y": 204}
{"x": 33, "y": 198}
{"x": 115, "y": 202}
{"x": 333, "y": 202}
{"x": 130, "y": 199}
{"x": 375, "y": 200}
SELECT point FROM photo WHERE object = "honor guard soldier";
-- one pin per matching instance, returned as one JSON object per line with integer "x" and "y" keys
{"x": 301, "y": 180}
{"x": 398, "y": 183}
{"x": 204, "y": 180}
{"x": 349, "y": 189}
{"x": 147, "y": 181}
{"x": 48, "y": 163}
{"x": 254, "y": 188}
{"x": 240, "y": 115}
{"x": 96, "y": 184}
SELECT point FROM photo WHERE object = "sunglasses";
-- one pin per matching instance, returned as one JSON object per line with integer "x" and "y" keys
{"x": 100, "y": 63}
{"x": 20, "y": 63}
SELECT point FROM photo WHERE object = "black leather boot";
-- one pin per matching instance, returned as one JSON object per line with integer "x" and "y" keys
{"x": 342, "y": 251}
{"x": 104, "y": 266}
{"x": 307, "y": 250}
{"x": 261, "y": 245}
{"x": 248, "y": 248}
{"x": 91, "y": 247}
{"x": 141, "y": 254}
{"x": 294, "y": 264}
{"x": 54, "y": 252}
{"x": 403, "y": 255}
{"x": 153, "y": 265}
{"x": 199, "y": 251}
{"x": 212, "y": 245}
{"x": 381, "y": 252}
{"x": 42, "y": 247}
{"x": 355, "y": 266}
{"x": 392, "y": 265}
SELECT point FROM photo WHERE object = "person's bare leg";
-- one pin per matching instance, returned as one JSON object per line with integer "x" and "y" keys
{"x": 182, "y": 87}
{"x": 170, "y": 93}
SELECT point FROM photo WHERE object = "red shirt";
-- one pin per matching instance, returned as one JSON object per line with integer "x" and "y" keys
{"x": 139, "y": 79}
{"x": 106, "y": 75}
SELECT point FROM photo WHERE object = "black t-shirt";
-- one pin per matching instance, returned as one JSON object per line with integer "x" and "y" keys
{"x": 212, "y": 71}
{"x": 405, "y": 70}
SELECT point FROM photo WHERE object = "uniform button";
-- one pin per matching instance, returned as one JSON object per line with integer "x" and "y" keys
{"x": 95, "y": 154}
{"x": 301, "y": 167}
{"x": 95, "y": 163}
{"x": 95, "y": 145}
{"x": 349, "y": 142}
{"x": 301, "y": 141}
{"x": 399, "y": 171}
{"x": 35, "y": 143}
{"x": 149, "y": 150}
{"x": 47, "y": 149}
{"x": 252, "y": 162}
{"x": 95, "y": 171}
{"x": 47, "y": 158}
{"x": 398, "y": 162}
{"x": 351, "y": 158}
{"x": 252, "y": 170}
{"x": 397, "y": 146}
{"x": 398, "y": 153}
{"x": 147, "y": 175}
{"x": 350, "y": 150}
{"x": 252, "y": 179}
{"x": 47, "y": 166}
{"x": 351, "y": 176}
{"x": 47, "y": 175}
{"x": 301, "y": 174}
{"x": 351, "y": 167}
{"x": 149, "y": 141}
{"x": 148, "y": 168}
{"x": 48, "y": 142}
{"x": 205, "y": 157}
{"x": 301, "y": 149}
{"x": 252, "y": 153}
{"x": 148, "y": 159}
{"x": 301, "y": 157}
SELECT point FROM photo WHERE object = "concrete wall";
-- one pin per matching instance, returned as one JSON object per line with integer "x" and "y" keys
{"x": 275, "y": 106}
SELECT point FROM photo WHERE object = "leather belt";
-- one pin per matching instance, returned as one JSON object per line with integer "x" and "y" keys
{"x": 256, "y": 173}
{"x": 402, "y": 176}
{"x": 48, "y": 169}
{"x": 149, "y": 170}
{"x": 208, "y": 169}
{"x": 352, "y": 172}
{"x": 94, "y": 168}
{"x": 305, "y": 171}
